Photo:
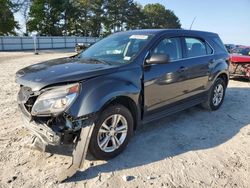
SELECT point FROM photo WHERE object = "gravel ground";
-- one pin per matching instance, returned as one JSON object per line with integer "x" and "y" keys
{"x": 193, "y": 148}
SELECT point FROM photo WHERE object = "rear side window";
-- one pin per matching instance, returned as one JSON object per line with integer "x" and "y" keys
{"x": 170, "y": 47}
{"x": 219, "y": 46}
{"x": 196, "y": 47}
{"x": 209, "y": 49}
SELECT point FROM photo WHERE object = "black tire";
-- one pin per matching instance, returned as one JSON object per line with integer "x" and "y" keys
{"x": 209, "y": 104}
{"x": 94, "y": 147}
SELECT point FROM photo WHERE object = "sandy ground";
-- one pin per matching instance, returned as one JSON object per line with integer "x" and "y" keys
{"x": 193, "y": 148}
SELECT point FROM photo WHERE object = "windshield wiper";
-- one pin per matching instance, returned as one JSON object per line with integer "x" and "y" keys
{"x": 98, "y": 60}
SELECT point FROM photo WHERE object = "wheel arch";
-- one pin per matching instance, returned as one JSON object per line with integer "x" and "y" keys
{"x": 221, "y": 70}
{"x": 129, "y": 103}
{"x": 224, "y": 77}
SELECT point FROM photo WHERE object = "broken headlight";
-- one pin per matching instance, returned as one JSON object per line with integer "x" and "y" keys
{"x": 55, "y": 100}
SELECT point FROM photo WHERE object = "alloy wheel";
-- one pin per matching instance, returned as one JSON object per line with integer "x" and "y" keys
{"x": 218, "y": 94}
{"x": 112, "y": 133}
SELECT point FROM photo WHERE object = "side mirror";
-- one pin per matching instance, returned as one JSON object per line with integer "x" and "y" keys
{"x": 158, "y": 59}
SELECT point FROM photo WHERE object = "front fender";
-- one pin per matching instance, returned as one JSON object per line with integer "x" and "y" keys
{"x": 96, "y": 92}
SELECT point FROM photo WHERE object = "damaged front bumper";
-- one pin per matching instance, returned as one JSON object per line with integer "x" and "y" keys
{"x": 43, "y": 135}
{"x": 58, "y": 131}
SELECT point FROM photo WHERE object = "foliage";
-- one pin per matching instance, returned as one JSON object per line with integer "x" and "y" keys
{"x": 7, "y": 21}
{"x": 45, "y": 17}
{"x": 96, "y": 17}
{"x": 156, "y": 16}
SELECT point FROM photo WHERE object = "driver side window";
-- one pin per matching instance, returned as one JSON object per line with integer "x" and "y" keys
{"x": 170, "y": 47}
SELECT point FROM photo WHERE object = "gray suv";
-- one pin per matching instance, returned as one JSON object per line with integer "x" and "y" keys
{"x": 100, "y": 96}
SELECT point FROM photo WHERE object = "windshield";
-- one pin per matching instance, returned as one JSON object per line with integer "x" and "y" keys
{"x": 118, "y": 48}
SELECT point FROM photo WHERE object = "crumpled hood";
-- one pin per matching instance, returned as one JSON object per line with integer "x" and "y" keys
{"x": 61, "y": 70}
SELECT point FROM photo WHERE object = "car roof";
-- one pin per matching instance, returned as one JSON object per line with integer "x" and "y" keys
{"x": 162, "y": 31}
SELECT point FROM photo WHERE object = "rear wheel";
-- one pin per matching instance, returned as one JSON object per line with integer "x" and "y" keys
{"x": 112, "y": 132}
{"x": 216, "y": 95}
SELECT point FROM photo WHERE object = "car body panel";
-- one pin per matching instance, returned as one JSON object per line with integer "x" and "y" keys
{"x": 219, "y": 65}
{"x": 162, "y": 84}
{"x": 197, "y": 71}
{"x": 124, "y": 83}
{"x": 61, "y": 70}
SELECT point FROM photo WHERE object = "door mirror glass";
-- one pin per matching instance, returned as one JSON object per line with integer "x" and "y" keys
{"x": 158, "y": 59}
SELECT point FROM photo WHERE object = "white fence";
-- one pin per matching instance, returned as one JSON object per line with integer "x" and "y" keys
{"x": 42, "y": 42}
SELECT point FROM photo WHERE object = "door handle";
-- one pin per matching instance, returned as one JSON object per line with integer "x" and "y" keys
{"x": 182, "y": 69}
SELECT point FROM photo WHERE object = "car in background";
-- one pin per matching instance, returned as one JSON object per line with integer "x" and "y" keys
{"x": 244, "y": 51}
{"x": 238, "y": 49}
{"x": 240, "y": 64}
{"x": 230, "y": 47}
{"x": 81, "y": 47}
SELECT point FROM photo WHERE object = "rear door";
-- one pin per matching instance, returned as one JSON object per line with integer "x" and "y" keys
{"x": 198, "y": 58}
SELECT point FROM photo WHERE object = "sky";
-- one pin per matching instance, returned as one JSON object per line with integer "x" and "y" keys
{"x": 229, "y": 18}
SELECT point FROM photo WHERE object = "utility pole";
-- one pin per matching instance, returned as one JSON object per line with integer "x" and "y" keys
{"x": 34, "y": 39}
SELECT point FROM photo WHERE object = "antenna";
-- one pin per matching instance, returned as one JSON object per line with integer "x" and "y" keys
{"x": 192, "y": 23}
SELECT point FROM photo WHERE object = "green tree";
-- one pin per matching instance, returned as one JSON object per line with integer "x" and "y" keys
{"x": 7, "y": 21}
{"x": 22, "y": 6}
{"x": 90, "y": 17}
{"x": 45, "y": 17}
{"x": 135, "y": 17}
{"x": 157, "y": 16}
{"x": 70, "y": 17}
{"x": 117, "y": 14}
{"x": 81, "y": 17}
{"x": 97, "y": 17}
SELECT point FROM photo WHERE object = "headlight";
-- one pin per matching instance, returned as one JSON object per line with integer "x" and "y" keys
{"x": 56, "y": 100}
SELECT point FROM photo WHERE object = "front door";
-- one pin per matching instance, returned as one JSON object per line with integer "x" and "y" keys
{"x": 165, "y": 83}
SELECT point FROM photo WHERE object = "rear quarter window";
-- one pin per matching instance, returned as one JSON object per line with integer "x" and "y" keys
{"x": 218, "y": 45}
{"x": 209, "y": 49}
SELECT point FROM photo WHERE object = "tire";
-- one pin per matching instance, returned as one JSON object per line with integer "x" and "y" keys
{"x": 210, "y": 103}
{"x": 105, "y": 135}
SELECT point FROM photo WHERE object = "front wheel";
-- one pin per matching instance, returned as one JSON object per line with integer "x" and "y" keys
{"x": 111, "y": 133}
{"x": 216, "y": 95}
